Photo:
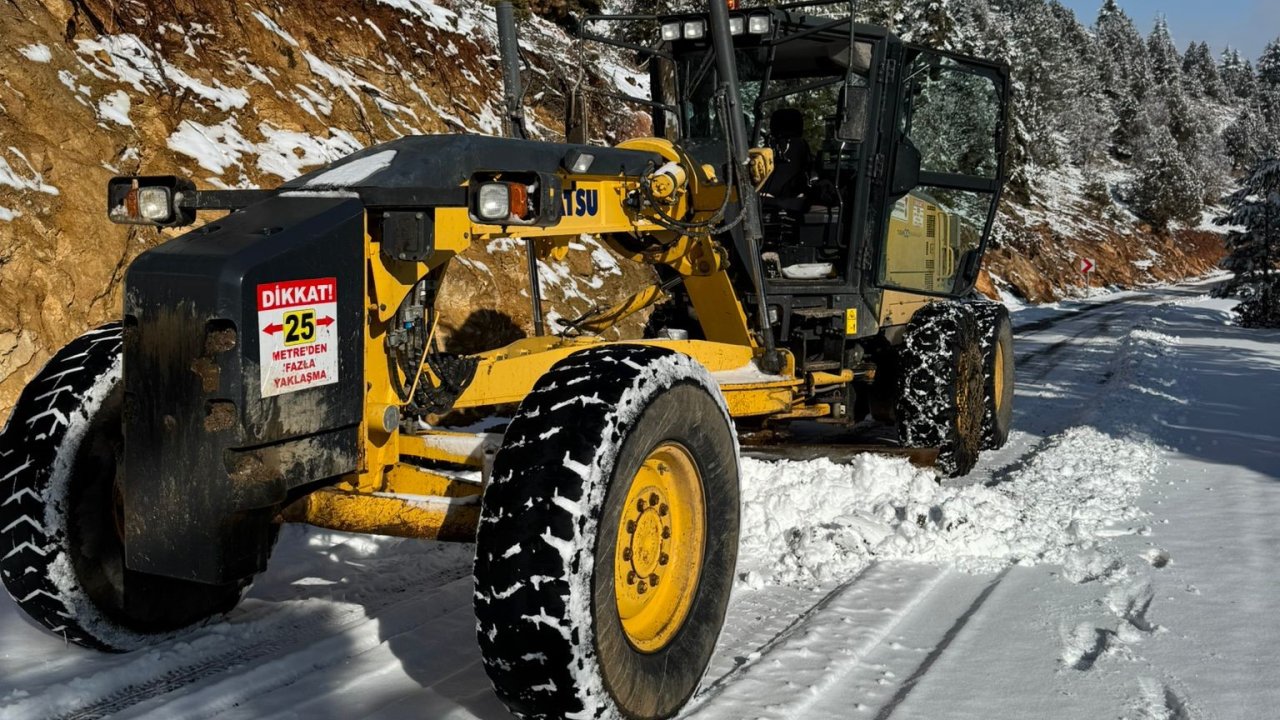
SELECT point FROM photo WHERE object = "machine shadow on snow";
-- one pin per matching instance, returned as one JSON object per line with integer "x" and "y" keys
{"x": 417, "y": 594}
{"x": 1193, "y": 415}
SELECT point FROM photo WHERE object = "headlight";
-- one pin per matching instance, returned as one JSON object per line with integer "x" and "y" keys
{"x": 156, "y": 200}
{"x": 515, "y": 198}
{"x": 493, "y": 201}
{"x": 758, "y": 24}
{"x": 578, "y": 162}
{"x": 694, "y": 29}
{"x": 670, "y": 31}
{"x": 154, "y": 204}
{"x": 736, "y": 25}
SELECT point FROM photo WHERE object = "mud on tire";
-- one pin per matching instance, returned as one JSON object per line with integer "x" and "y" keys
{"x": 996, "y": 334}
{"x": 940, "y": 386}
{"x": 61, "y": 556}
{"x": 550, "y": 572}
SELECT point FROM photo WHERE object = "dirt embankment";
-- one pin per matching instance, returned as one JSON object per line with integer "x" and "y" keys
{"x": 233, "y": 93}
{"x": 1044, "y": 265}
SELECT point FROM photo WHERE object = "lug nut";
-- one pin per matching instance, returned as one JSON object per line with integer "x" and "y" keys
{"x": 653, "y": 498}
{"x": 631, "y": 578}
{"x": 662, "y": 509}
{"x": 640, "y": 505}
{"x": 663, "y": 559}
{"x": 653, "y": 579}
{"x": 666, "y": 533}
{"x": 641, "y": 588}
{"x": 631, "y": 527}
{"x": 626, "y": 554}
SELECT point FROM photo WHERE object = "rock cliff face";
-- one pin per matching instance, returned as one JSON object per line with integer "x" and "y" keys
{"x": 241, "y": 94}
{"x": 246, "y": 93}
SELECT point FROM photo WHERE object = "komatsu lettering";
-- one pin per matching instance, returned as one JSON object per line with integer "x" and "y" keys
{"x": 582, "y": 203}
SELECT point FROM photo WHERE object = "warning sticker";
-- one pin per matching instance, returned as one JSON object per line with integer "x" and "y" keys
{"x": 297, "y": 334}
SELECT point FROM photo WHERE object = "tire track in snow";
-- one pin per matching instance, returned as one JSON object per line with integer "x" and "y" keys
{"x": 947, "y": 638}
{"x": 823, "y": 646}
{"x": 278, "y": 633}
{"x": 774, "y": 636}
{"x": 284, "y": 684}
{"x": 1005, "y": 464}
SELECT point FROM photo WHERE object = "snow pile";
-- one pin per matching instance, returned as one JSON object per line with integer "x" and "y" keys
{"x": 818, "y": 522}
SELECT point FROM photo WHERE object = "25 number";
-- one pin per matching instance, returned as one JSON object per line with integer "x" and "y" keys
{"x": 299, "y": 327}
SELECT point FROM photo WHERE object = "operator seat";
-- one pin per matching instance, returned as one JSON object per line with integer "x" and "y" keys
{"x": 786, "y": 186}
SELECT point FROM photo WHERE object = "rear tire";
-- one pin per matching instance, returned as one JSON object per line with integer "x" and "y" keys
{"x": 62, "y": 560}
{"x": 940, "y": 386}
{"x": 996, "y": 332}
{"x": 570, "y": 528}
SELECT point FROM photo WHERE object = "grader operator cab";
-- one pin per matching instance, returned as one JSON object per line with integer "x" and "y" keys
{"x": 815, "y": 202}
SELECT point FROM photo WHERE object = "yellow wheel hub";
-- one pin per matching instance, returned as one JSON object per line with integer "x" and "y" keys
{"x": 999, "y": 371}
{"x": 658, "y": 558}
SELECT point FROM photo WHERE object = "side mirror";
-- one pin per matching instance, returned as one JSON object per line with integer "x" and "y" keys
{"x": 853, "y": 116}
{"x": 906, "y": 169}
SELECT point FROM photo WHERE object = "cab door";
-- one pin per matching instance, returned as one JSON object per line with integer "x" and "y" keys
{"x": 947, "y": 172}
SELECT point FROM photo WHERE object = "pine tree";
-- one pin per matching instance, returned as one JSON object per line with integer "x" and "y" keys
{"x": 928, "y": 22}
{"x": 1125, "y": 72}
{"x": 1166, "y": 65}
{"x": 1269, "y": 65}
{"x": 1254, "y": 246}
{"x": 1200, "y": 75}
{"x": 1166, "y": 189}
{"x": 1248, "y": 139}
{"x": 1237, "y": 74}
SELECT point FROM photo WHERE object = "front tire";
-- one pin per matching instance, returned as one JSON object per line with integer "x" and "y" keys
{"x": 996, "y": 332}
{"x": 940, "y": 388}
{"x": 61, "y": 552}
{"x": 620, "y": 469}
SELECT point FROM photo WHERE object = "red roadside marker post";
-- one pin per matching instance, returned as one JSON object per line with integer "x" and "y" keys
{"x": 1086, "y": 266}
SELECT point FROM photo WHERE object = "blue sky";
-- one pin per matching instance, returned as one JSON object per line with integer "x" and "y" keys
{"x": 1247, "y": 25}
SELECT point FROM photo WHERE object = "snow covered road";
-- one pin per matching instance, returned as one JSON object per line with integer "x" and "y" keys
{"x": 1111, "y": 561}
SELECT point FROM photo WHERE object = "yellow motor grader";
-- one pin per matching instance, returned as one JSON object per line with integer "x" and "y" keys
{"x": 815, "y": 203}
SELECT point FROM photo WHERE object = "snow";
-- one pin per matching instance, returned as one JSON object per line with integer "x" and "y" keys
{"x": 354, "y": 172}
{"x": 21, "y": 181}
{"x": 1113, "y": 560}
{"x": 130, "y": 61}
{"x": 36, "y": 52}
{"x": 748, "y": 373}
{"x": 284, "y": 153}
{"x": 287, "y": 154}
{"x": 215, "y": 147}
{"x": 271, "y": 25}
{"x": 8, "y": 215}
{"x": 807, "y": 271}
{"x": 115, "y": 107}
{"x": 817, "y": 522}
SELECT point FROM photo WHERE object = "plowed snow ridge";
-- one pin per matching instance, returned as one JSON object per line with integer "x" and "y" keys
{"x": 816, "y": 522}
